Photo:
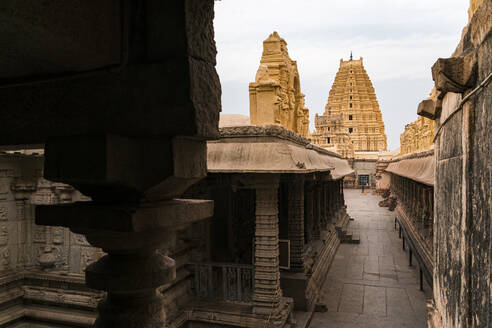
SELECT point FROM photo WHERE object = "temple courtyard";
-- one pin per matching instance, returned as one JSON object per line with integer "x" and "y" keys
{"x": 371, "y": 284}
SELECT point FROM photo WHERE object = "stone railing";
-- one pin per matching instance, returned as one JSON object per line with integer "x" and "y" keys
{"x": 223, "y": 281}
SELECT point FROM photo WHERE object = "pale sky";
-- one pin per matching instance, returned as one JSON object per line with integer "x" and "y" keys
{"x": 399, "y": 40}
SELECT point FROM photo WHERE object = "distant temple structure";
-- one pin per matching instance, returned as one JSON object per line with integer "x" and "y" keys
{"x": 352, "y": 124}
{"x": 275, "y": 96}
{"x": 352, "y": 121}
{"x": 417, "y": 136}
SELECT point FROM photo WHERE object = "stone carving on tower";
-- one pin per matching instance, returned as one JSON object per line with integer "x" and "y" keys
{"x": 352, "y": 120}
{"x": 418, "y": 135}
{"x": 275, "y": 97}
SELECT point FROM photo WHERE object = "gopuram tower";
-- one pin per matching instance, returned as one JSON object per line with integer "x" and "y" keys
{"x": 275, "y": 96}
{"x": 352, "y": 121}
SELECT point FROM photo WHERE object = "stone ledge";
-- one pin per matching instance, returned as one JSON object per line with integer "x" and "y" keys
{"x": 263, "y": 131}
{"x": 420, "y": 154}
{"x": 272, "y": 131}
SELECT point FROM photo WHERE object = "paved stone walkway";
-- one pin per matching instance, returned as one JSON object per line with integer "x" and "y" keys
{"x": 370, "y": 284}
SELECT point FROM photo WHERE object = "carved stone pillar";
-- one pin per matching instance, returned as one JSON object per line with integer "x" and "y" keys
{"x": 22, "y": 191}
{"x": 131, "y": 134}
{"x": 328, "y": 205}
{"x": 339, "y": 200}
{"x": 135, "y": 237}
{"x": 317, "y": 211}
{"x": 308, "y": 212}
{"x": 342, "y": 197}
{"x": 420, "y": 206}
{"x": 295, "y": 211}
{"x": 323, "y": 208}
{"x": 267, "y": 294}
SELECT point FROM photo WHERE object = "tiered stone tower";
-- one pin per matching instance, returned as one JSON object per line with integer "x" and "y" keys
{"x": 352, "y": 111}
{"x": 275, "y": 97}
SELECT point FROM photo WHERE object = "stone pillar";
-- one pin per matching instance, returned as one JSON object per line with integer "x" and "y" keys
{"x": 135, "y": 238}
{"x": 322, "y": 219}
{"x": 337, "y": 195}
{"x": 295, "y": 212}
{"x": 420, "y": 206}
{"x": 342, "y": 196}
{"x": 328, "y": 204}
{"x": 317, "y": 211}
{"x": 267, "y": 294}
{"x": 308, "y": 211}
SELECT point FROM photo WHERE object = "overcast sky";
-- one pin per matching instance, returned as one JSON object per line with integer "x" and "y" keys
{"x": 398, "y": 39}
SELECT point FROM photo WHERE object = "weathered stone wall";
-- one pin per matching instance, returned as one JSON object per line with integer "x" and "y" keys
{"x": 45, "y": 265}
{"x": 24, "y": 244}
{"x": 462, "y": 244}
{"x": 40, "y": 265}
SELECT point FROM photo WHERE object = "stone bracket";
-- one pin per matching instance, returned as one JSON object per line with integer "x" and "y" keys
{"x": 455, "y": 74}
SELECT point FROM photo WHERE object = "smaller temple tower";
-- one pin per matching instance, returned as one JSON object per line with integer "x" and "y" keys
{"x": 275, "y": 96}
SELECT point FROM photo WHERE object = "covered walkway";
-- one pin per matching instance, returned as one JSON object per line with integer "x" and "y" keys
{"x": 371, "y": 284}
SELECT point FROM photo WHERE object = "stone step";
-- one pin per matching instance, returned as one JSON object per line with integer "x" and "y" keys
{"x": 355, "y": 239}
{"x": 349, "y": 238}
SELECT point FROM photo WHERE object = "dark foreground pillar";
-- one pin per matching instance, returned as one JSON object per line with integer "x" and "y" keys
{"x": 124, "y": 95}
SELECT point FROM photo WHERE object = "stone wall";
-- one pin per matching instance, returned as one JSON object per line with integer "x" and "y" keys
{"x": 42, "y": 268}
{"x": 462, "y": 244}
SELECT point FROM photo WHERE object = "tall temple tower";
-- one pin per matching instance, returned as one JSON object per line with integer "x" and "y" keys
{"x": 275, "y": 96}
{"x": 352, "y": 121}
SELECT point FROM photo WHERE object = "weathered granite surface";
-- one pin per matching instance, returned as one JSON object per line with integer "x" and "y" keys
{"x": 463, "y": 226}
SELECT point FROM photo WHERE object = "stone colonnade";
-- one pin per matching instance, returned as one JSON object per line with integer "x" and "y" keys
{"x": 315, "y": 208}
{"x": 324, "y": 203}
{"x": 415, "y": 219}
{"x": 306, "y": 207}
{"x": 417, "y": 200}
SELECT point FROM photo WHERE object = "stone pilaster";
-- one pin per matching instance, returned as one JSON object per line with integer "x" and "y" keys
{"x": 267, "y": 294}
{"x": 22, "y": 191}
{"x": 295, "y": 211}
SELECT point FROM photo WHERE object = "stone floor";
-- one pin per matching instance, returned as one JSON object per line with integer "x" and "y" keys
{"x": 370, "y": 284}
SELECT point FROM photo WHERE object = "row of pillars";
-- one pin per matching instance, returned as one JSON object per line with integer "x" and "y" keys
{"x": 312, "y": 205}
{"x": 417, "y": 200}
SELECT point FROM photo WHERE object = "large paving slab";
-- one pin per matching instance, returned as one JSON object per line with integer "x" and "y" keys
{"x": 371, "y": 284}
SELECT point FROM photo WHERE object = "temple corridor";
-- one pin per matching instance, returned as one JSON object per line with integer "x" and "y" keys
{"x": 371, "y": 284}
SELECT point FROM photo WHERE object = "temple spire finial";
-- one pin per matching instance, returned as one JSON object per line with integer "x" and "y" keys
{"x": 350, "y": 54}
